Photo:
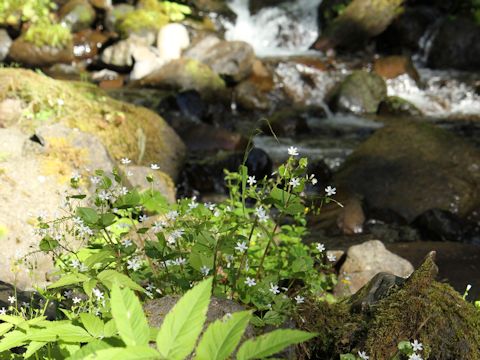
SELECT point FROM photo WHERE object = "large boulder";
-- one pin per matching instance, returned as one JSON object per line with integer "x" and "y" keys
{"x": 185, "y": 74}
{"x": 366, "y": 260}
{"x": 360, "y": 21}
{"x": 124, "y": 129}
{"x": 456, "y": 45}
{"x": 409, "y": 167}
{"x": 360, "y": 92}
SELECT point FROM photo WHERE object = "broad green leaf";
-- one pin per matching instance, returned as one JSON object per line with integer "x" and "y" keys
{"x": 129, "y": 318}
{"x": 129, "y": 200}
{"x": 92, "y": 324}
{"x": 69, "y": 279}
{"x": 88, "y": 215}
{"x": 107, "y": 219}
{"x": 348, "y": 357}
{"x": 15, "y": 320}
{"x": 222, "y": 337}
{"x": 4, "y": 328}
{"x": 184, "y": 323}
{"x": 48, "y": 244}
{"x": 89, "y": 285}
{"x": 13, "y": 339}
{"x": 33, "y": 347}
{"x": 271, "y": 343}
{"x": 110, "y": 329}
{"x": 104, "y": 256}
{"x": 128, "y": 353}
{"x": 89, "y": 349}
{"x": 110, "y": 277}
{"x": 64, "y": 331}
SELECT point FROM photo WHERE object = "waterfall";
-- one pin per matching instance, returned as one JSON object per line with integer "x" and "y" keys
{"x": 286, "y": 29}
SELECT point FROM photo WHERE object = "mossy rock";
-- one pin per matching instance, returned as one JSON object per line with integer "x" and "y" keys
{"x": 360, "y": 92}
{"x": 419, "y": 308}
{"x": 125, "y": 130}
{"x": 409, "y": 167}
{"x": 396, "y": 106}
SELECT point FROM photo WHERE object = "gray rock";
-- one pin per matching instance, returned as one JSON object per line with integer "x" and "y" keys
{"x": 5, "y": 43}
{"x": 360, "y": 92}
{"x": 366, "y": 260}
{"x": 77, "y": 15}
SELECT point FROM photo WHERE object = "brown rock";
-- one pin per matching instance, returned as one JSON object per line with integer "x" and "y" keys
{"x": 29, "y": 54}
{"x": 391, "y": 67}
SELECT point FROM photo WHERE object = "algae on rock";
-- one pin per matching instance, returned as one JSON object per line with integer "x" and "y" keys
{"x": 84, "y": 106}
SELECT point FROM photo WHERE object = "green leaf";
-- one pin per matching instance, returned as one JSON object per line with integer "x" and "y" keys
{"x": 110, "y": 329}
{"x": 104, "y": 256}
{"x": 33, "y": 347}
{"x": 107, "y": 219}
{"x": 69, "y": 279}
{"x": 89, "y": 285}
{"x": 271, "y": 343}
{"x": 92, "y": 324}
{"x": 130, "y": 200}
{"x": 405, "y": 347}
{"x": 109, "y": 277}
{"x": 129, "y": 318}
{"x": 184, "y": 323}
{"x": 4, "y": 328}
{"x": 60, "y": 331}
{"x": 348, "y": 357}
{"x": 222, "y": 337}
{"x": 48, "y": 244}
{"x": 89, "y": 349}
{"x": 13, "y": 339}
{"x": 128, "y": 353}
{"x": 88, "y": 215}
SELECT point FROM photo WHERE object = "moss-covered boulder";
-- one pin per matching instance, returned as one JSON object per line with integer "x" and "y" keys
{"x": 389, "y": 310}
{"x": 77, "y": 14}
{"x": 357, "y": 23}
{"x": 125, "y": 130}
{"x": 396, "y": 106}
{"x": 185, "y": 74}
{"x": 410, "y": 167}
{"x": 360, "y": 92}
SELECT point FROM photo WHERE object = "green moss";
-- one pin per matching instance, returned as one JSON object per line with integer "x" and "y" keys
{"x": 203, "y": 75}
{"x": 13, "y": 12}
{"x": 423, "y": 309}
{"x": 86, "y": 107}
{"x": 46, "y": 33}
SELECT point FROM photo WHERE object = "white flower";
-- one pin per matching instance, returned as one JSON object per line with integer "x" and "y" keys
{"x": 241, "y": 246}
{"x": 11, "y": 299}
{"x": 261, "y": 214}
{"x": 415, "y": 357}
{"x": 174, "y": 235}
{"x": 129, "y": 173}
{"x": 76, "y": 176}
{"x": 331, "y": 257}
{"x": 209, "y": 206}
{"x": 150, "y": 287}
{"x": 68, "y": 294}
{"x": 314, "y": 181}
{"x": 363, "y": 355}
{"x": 154, "y": 167}
{"x": 142, "y": 218}
{"x": 205, "y": 270}
{"x": 171, "y": 215}
{"x": 134, "y": 264}
{"x": 60, "y": 102}
{"x": 416, "y": 346}
{"x": 193, "y": 204}
{"x": 299, "y": 299}
{"x": 75, "y": 264}
{"x": 104, "y": 195}
{"x": 180, "y": 261}
{"x": 294, "y": 182}
{"x": 250, "y": 282}
{"x": 95, "y": 180}
{"x": 127, "y": 243}
{"x": 467, "y": 289}
{"x": 126, "y": 161}
{"x": 292, "y": 151}
{"x": 158, "y": 226}
{"x": 330, "y": 190}
{"x": 3, "y": 311}
{"x": 274, "y": 289}
{"x": 76, "y": 300}
{"x": 98, "y": 294}
{"x": 251, "y": 180}
{"x": 320, "y": 247}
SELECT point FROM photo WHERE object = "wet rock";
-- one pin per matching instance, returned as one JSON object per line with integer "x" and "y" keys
{"x": 5, "y": 43}
{"x": 101, "y": 4}
{"x": 200, "y": 46}
{"x": 441, "y": 225}
{"x": 231, "y": 59}
{"x": 115, "y": 13}
{"x": 443, "y": 171}
{"x": 29, "y": 54}
{"x": 360, "y": 21}
{"x": 361, "y": 92}
{"x": 256, "y": 6}
{"x": 386, "y": 310}
{"x": 406, "y": 31}
{"x": 351, "y": 217}
{"x": 364, "y": 261}
{"x": 119, "y": 55}
{"x": 328, "y": 10}
{"x": 396, "y": 106}
{"x": 207, "y": 138}
{"x": 161, "y": 181}
{"x": 171, "y": 41}
{"x": 456, "y": 46}
{"x": 77, "y": 14}
{"x": 185, "y": 74}
{"x": 252, "y": 93}
{"x": 288, "y": 122}
{"x": 11, "y": 111}
{"x": 391, "y": 67}
{"x": 88, "y": 43}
